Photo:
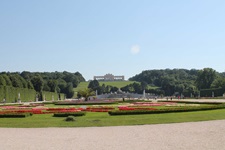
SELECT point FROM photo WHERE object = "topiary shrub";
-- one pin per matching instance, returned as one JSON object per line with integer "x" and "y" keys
{"x": 80, "y": 113}
{"x": 70, "y": 118}
{"x": 15, "y": 115}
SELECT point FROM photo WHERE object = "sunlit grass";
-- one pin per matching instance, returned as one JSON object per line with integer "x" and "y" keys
{"x": 103, "y": 119}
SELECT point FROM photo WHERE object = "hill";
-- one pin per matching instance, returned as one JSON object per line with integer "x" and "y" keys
{"x": 118, "y": 84}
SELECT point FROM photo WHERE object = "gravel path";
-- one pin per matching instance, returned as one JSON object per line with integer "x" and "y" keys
{"x": 207, "y": 135}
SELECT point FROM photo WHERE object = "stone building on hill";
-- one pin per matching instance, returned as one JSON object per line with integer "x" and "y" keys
{"x": 109, "y": 77}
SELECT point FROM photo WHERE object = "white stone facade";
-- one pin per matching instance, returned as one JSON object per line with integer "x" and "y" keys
{"x": 109, "y": 77}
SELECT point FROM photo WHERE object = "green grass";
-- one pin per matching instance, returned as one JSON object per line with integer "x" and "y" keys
{"x": 81, "y": 86}
{"x": 92, "y": 119}
{"x": 118, "y": 84}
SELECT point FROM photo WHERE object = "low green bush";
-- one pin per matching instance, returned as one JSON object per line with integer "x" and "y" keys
{"x": 84, "y": 103}
{"x": 166, "y": 110}
{"x": 21, "y": 115}
{"x": 75, "y": 114}
{"x": 70, "y": 118}
{"x": 193, "y": 102}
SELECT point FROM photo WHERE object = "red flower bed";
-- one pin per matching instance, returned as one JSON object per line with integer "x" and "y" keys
{"x": 125, "y": 108}
{"x": 98, "y": 109}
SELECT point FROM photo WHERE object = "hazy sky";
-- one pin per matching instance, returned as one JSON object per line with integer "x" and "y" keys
{"x": 122, "y": 37}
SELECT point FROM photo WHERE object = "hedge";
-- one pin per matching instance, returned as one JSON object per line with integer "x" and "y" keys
{"x": 208, "y": 92}
{"x": 168, "y": 110}
{"x": 85, "y": 103}
{"x": 75, "y": 114}
{"x": 50, "y": 96}
{"x": 11, "y": 94}
{"x": 194, "y": 102}
{"x": 18, "y": 115}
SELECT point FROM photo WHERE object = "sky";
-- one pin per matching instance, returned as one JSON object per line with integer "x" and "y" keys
{"x": 121, "y": 37}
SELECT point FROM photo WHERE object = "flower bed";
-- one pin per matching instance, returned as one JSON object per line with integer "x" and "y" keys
{"x": 168, "y": 110}
{"x": 127, "y": 108}
{"x": 99, "y": 109}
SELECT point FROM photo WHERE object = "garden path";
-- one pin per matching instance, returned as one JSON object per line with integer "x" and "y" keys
{"x": 205, "y": 135}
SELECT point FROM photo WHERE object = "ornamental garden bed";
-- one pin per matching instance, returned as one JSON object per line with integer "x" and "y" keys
{"x": 109, "y": 115}
{"x": 82, "y": 102}
{"x": 133, "y": 111}
{"x": 119, "y": 109}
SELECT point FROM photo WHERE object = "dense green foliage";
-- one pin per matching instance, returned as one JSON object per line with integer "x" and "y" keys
{"x": 15, "y": 115}
{"x": 94, "y": 85}
{"x": 11, "y": 94}
{"x": 75, "y": 114}
{"x": 205, "y": 78}
{"x": 85, "y": 93}
{"x": 58, "y": 82}
{"x": 166, "y": 110}
{"x": 179, "y": 81}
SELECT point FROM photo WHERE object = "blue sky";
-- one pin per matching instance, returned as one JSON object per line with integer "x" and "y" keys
{"x": 122, "y": 37}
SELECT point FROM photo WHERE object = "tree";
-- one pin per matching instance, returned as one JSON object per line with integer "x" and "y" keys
{"x": 62, "y": 85}
{"x": 86, "y": 93}
{"x": 38, "y": 83}
{"x": 7, "y": 80}
{"x": 205, "y": 78}
{"x": 94, "y": 85}
{"x": 144, "y": 85}
{"x": 69, "y": 90}
{"x": 168, "y": 85}
{"x": 218, "y": 83}
{"x": 2, "y": 81}
{"x": 52, "y": 84}
{"x": 16, "y": 82}
{"x": 46, "y": 87}
{"x": 74, "y": 78}
{"x": 30, "y": 85}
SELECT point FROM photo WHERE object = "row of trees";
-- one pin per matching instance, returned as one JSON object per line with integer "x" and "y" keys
{"x": 94, "y": 87}
{"x": 167, "y": 82}
{"x": 177, "y": 81}
{"x": 60, "y": 82}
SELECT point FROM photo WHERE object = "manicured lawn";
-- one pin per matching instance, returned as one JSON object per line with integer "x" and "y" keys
{"x": 118, "y": 84}
{"x": 103, "y": 119}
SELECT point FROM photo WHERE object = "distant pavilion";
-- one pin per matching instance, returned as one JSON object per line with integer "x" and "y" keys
{"x": 109, "y": 77}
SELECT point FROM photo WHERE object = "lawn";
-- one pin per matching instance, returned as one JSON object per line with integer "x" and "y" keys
{"x": 118, "y": 84}
{"x": 98, "y": 119}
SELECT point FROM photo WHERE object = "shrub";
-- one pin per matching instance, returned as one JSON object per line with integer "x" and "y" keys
{"x": 170, "y": 110}
{"x": 70, "y": 118}
{"x": 14, "y": 115}
{"x": 85, "y": 103}
{"x": 75, "y": 114}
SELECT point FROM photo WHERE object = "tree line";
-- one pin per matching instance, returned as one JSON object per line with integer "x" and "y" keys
{"x": 60, "y": 82}
{"x": 178, "y": 81}
{"x": 168, "y": 82}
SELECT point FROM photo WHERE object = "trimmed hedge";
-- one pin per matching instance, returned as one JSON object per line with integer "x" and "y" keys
{"x": 169, "y": 110}
{"x": 84, "y": 103}
{"x": 26, "y": 95}
{"x": 193, "y": 102}
{"x": 18, "y": 115}
{"x": 49, "y": 96}
{"x": 75, "y": 114}
{"x": 208, "y": 92}
{"x": 11, "y": 94}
